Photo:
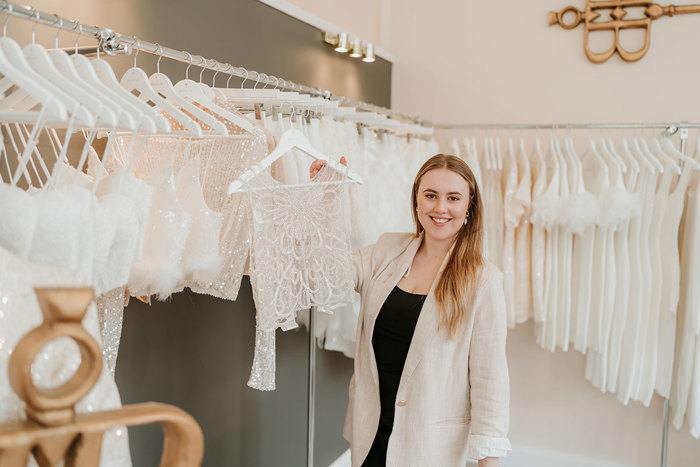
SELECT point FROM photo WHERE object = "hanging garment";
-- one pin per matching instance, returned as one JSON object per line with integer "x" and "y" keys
{"x": 646, "y": 375}
{"x": 538, "y": 242}
{"x": 201, "y": 251}
{"x": 300, "y": 258}
{"x": 159, "y": 270}
{"x": 522, "y": 300}
{"x": 628, "y": 267}
{"x": 512, "y": 210}
{"x": 688, "y": 314}
{"x": 640, "y": 296}
{"x": 671, "y": 282}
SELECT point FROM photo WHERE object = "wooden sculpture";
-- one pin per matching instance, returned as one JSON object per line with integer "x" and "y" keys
{"x": 53, "y": 432}
{"x": 617, "y": 23}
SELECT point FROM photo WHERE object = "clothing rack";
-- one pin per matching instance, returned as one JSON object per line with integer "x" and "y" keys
{"x": 670, "y": 129}
{"x": 113, "y": 43}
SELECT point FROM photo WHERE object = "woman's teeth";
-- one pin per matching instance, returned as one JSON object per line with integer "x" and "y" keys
{"x": 440, "y": 220}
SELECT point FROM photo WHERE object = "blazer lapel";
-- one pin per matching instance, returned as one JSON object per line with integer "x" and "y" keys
{"x": 426, "y": 329}
{"x": 382, "y": 287}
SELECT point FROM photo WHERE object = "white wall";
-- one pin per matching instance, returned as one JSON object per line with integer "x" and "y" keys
{"x": 359, "y": 17}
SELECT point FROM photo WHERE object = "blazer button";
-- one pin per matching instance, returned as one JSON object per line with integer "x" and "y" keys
{"x": 401, "y": 403}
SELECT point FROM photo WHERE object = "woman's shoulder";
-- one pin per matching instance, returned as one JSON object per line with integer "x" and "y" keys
{"x": 390, "y": 245}
{"x": 395, "y": 240}
{"x": 489, "y": 273}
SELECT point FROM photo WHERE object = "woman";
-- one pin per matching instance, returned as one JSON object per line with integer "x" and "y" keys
{"x": 430, "y": 386}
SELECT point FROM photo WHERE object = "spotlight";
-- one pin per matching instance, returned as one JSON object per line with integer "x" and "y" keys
{"x": 356, "y": 48}
{"x": 342, "y": 44}
{"x": 369, "y": 53}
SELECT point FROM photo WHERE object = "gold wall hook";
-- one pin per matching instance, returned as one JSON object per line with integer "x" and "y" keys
{"x": 618, "y": 23}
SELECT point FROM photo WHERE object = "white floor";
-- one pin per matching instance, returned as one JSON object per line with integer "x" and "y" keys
{"x": 522, "y": 456}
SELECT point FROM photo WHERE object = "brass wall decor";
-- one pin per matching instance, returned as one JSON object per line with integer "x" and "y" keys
{"x": 618, "y": 10}
{"x": 54, "y": 434}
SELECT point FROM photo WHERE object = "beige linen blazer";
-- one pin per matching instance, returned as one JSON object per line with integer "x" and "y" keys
{"x": 453, "y": 398}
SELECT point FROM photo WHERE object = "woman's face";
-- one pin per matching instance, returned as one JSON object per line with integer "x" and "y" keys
{"x": 442, "y": 203}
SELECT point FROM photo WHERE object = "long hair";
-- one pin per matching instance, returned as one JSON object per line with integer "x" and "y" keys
{"x": 456, "y": 287}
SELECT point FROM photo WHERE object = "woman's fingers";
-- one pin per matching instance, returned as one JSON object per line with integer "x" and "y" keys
{"x": 319, "y": 164}
{"x": 315, "y": 167}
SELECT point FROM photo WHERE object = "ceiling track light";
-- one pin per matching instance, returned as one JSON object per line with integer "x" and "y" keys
{"x": 356, "y": 51}
{"x": 369, "y": 53}
{"x": 342, "y": 44}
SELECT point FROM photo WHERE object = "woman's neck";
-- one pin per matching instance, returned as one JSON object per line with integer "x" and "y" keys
{"x": 436, "y": 249}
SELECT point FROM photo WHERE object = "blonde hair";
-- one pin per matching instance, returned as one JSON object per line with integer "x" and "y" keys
{"x": 456, "y": 287}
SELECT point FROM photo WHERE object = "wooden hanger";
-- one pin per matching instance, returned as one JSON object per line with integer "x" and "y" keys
{"x": 53, "y": 432}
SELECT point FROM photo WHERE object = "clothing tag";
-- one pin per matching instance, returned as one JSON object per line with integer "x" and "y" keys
{"x": 258, "y": 116}
{"x": 275, "y": 113}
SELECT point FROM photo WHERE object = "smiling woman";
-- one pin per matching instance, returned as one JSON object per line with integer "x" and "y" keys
{"x": 430, "y": 383}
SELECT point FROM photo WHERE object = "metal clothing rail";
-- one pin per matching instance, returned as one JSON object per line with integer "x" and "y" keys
{"x": 565, "y": 126}
{"x": 113, "y": 43}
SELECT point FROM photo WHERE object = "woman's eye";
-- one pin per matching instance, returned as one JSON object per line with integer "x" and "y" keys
{"x": 430, "y": 196}
{"x": 454, "y": 198}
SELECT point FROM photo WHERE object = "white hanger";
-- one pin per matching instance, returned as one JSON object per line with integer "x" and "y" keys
{"x": 643, "y": 150}
{"x": 135, "y": 79}
{"x": 38, "y": 58}
{"x": 632, "y": 160}
{"x": 499, "y": 158}
{"x": 571, "y": 151}
{"x": 16, "y": 62}
{"x": 105, "y": 75}
{"x": 194, "y": 91}
{"x": 30, "y": 87}
{"x": 538, "y": 153}
{"x": 27, "y": 89}
{"x": 127, "y": 120}
{"x": 611, "y": 159}
{"x": 609, "y": 149}
{"x": 668, "y": 145}
{"x": 291, "y": 139}
{"x": 660, "y": 153}
{"x": 162, "y": 84}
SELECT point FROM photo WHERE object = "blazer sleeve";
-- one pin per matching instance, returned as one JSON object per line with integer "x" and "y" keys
{"x": 488, "y": 374}
{"x": 362, "y": 265}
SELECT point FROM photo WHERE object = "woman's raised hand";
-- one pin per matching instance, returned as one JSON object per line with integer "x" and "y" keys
{"x": 318, "y": 164}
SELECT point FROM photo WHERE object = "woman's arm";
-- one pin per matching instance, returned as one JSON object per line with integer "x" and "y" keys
{"x": 488, "y": 375}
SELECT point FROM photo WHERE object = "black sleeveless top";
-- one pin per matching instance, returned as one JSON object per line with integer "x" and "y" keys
{"x": 393, "y": 332}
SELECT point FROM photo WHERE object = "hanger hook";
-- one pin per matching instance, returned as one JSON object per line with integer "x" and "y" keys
{"x": 204, "y": 67}
{"x": 216, "y": 72}
{"x": 230, "y": 74}
{"x": 246, "y": 77}
{"x": 267, "y": 80}
{"x": 136, "y": 44}
{"x": 7, "y": 20}
{"x": 79, "y": 27}
{"x": 37, "y": 16}
{"x": 189, "y": 64}
{"x": 159, "y": 51}
{"x": 59, "y": 20}
{"x": 257, "y": 80}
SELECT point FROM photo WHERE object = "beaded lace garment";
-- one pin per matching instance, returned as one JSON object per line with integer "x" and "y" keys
{"x": 300, "y": 258}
